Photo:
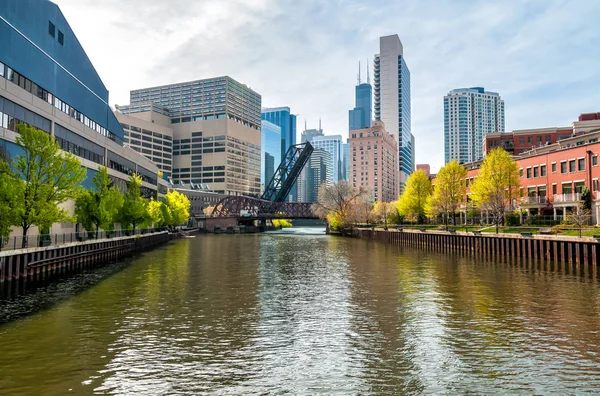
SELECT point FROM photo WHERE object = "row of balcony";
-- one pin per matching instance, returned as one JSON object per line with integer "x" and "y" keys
{"x": 557, "y": 198}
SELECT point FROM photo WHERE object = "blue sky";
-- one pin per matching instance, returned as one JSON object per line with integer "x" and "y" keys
{"x": 543, "y": 57}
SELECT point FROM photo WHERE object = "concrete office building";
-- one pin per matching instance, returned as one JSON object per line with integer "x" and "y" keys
{"x": 469, "y": 115}
{"x": 215, "y": 126}
{"x": 393, "y": 101}
{"x": 47, "y": 81}
{"x": 270, "y": 149}
{"x": 374, "y": 154}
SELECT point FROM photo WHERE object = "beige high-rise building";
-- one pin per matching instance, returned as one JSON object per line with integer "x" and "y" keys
{"x": 373, "y": 163}
{"x": 204, "y": 132}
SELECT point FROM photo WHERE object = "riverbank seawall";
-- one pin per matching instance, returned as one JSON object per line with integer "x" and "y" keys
{"x": 43, "y": 264}
{"x": 550, "y": 249}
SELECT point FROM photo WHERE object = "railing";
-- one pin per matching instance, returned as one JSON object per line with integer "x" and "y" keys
{"x": 534, "y": 200}
{"x": 16, "y": 242}
{"x": 562, "y": 198}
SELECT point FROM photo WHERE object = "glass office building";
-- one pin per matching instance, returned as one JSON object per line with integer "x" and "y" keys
{"x": 333, "y": 145}
{"x": 361, "y": 116}
{"x": 270, "y": 149}
{"x": 282, "y": 117}
{"x": 47, "y": 81}
{"x": 393, "y": 102}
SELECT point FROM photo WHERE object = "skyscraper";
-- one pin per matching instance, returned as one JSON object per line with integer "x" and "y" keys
{"x": 215, "y": 128}
{"x": 346, "y": 161}
{"x": 469, "y": 115}
{"x": 282, "y": 117}
{"x": 392, "y": 100}
{"x": 316, "y": 171}
{"x": 333, "y": 145}
{"x": 270, "y": 149}
{"x": 360, "y": 117}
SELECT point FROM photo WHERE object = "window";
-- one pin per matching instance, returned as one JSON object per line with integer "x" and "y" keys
{"x": 521, "y": 140}
{"x": 535, "y": 171}
{"x": 595, "y": 185}
{"x": 554, "y": 189}
{"x": 529, "y": 173}
{"x": 595, "y": 160}
{"x": 530, "y": 140}
{"x": 51, "y": 29}
{"x": 581, "y": 164}
{"x": 543, "y": 170}
{"x": 554, "y": 167}
{"x": 61, "y": 38}
{"x": 571, "y": 165}
{"x": 563, "y": 167}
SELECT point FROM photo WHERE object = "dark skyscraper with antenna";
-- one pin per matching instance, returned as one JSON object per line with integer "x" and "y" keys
{"x": 362, "y": 114}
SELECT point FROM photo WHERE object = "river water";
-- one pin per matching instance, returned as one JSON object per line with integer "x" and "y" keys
{"x": 304, "y": 313}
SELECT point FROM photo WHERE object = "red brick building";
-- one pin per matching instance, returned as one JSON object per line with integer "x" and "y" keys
{"x": 552, "y": 177}
{"x": 425, "y": 168}
{"x": 519, "y": 141}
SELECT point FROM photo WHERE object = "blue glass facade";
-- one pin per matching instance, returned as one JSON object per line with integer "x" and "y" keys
{"x": 38, "y": 44}
{"x": 282, "y": 117}
{"x": 362, "y": 114}
{"x": 346, "y": 160}
{"x": 270, "y": 150}
{"x": 406, "y": 139}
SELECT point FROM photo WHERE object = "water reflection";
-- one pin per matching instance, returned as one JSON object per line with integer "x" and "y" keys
{"x": 309, "y": 314}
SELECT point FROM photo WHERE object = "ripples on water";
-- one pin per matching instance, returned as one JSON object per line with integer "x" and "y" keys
{"x": 311, "y": 314}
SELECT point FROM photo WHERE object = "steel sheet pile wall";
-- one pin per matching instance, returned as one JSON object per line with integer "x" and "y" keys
{"x": 546, "y": 249}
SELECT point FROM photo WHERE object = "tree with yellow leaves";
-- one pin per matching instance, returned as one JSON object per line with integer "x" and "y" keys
{"x": 496, "y": 185}
{"x": 448, "y": 192}
{"x": 412, "y": 202}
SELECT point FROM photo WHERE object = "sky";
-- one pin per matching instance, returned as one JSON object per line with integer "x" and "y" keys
{"x": 542, "y": 56}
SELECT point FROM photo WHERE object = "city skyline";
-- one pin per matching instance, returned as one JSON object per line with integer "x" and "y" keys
{"x": 510, "y": 55}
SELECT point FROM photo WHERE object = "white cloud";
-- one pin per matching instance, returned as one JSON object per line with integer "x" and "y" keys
{"x": 541, "y": 57}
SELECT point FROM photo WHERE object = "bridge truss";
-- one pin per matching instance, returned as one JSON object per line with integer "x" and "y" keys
{"x": 254, "y": 208}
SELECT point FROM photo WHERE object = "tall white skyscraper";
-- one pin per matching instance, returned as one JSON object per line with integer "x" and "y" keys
{"x": 392, "y": 100}
{"x": 470, "y": 114}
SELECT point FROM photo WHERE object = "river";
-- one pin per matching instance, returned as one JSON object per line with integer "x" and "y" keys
{"x": 299, "y": 312}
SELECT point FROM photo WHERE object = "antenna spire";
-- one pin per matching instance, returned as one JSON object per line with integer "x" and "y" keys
{"x": 320, "y": 129}
{"x": 305, "y": 124}
{"x": 368, "y": 76}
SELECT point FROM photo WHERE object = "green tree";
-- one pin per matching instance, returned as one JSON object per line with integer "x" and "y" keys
{"x": 176, "y": 208}
{"x": 448, "y": 192}
{"x": 98, "y": 209}
{"x": 47, "y": 177}
{"x": 8, "y": 199}
{"x": 414, "y": 199}
{"x": 496, "y": 185}
{"x": 586, "y": 198}
{"x": 134, "y": 210}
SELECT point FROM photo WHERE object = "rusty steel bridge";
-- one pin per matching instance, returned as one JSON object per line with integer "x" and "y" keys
{"x": 271, "y": 205}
